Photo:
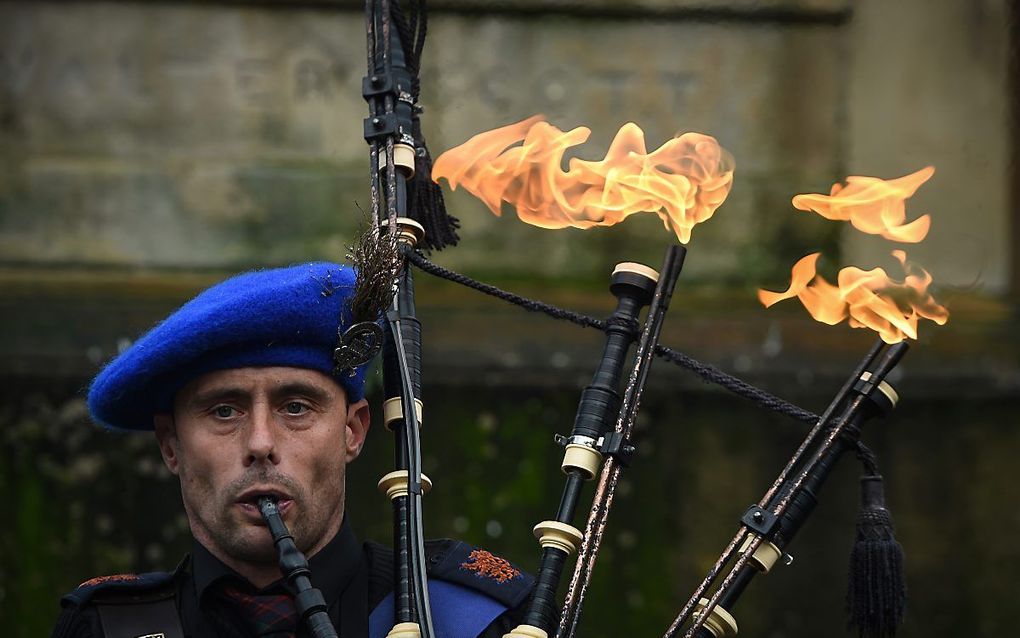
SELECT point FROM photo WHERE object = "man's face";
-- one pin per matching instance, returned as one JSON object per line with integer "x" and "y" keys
{"x": 241, "y": 433}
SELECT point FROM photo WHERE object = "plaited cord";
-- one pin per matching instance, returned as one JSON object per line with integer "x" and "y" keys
{"x": 867, "y": 458}
{"x": 707, "y": 372}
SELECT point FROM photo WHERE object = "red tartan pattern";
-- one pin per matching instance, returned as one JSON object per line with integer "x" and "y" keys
{"x": 268, "y": 615}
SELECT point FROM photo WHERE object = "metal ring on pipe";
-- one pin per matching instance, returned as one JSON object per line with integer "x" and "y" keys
{"x": 394, "y": 484}
{"x": 408, "y": 231}
{"x": 720, "y": 622}
{"x": 393, "y": 410}
{"x": 558, "y": 535}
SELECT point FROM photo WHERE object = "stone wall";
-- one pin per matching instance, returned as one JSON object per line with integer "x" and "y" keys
{"x": 220, "y": 135}
{"x": 929, "y": 86}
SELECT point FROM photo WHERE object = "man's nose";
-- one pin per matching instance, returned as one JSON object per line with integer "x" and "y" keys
{"x": 261, "y": 437}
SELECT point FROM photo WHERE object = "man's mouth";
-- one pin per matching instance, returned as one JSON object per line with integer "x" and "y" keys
{"x": 248, "y": 501}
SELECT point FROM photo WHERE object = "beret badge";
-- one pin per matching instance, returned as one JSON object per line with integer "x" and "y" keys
{"x": 357, "y": 346}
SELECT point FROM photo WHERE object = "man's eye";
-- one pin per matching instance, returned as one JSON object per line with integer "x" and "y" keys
{"x": 224, "y": 411}
{"x": 295, "y": 408}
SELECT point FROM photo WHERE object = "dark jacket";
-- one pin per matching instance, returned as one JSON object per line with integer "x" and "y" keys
{"x": 353, "y": 578}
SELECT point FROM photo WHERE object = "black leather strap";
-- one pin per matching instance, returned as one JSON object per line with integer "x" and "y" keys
{"x": 147, "y": 618}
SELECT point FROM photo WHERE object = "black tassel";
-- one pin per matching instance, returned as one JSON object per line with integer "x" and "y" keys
{"x": 876, "y": 593}
{"x": 427, "y": 206}
{"x": 425, "y": 198}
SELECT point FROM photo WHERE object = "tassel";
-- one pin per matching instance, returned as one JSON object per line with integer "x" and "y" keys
{"x": 876, "y": 593}
{"x": 425, "y": 198}
{"x": 427, "y": 206}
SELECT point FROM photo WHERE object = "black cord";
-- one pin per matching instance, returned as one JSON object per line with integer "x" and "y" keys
{"x": 707, "y": 372}
{"x": 867, "y": 458}
{"x": 711, "y": 374}
{"x": 532, "y": 305}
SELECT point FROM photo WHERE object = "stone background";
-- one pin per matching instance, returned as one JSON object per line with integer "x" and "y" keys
{"x": 218, "y": 135}
{"x": 148, "y": 149}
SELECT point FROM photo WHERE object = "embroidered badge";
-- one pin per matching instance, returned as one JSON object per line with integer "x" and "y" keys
{"x": 487, "y": 565}
{"x": 99, "y": 580}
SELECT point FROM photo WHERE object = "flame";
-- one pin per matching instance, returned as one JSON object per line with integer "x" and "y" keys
{"x": 867, "y": 298}
{"x": 684, "y": 181}
{"x": 874, "y": 206}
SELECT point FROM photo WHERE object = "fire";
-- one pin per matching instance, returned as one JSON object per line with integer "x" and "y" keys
{"x": 684, "y": 181}
{"x": 872, "y": 205}
{"x": 867, "y": 298}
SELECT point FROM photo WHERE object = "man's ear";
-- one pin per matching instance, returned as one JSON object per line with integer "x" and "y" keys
{"x": 358, "y": 421}
{"x": 166, "y": 436}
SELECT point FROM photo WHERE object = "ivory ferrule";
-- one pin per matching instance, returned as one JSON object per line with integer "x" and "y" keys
{"x": 394, "y": 484}
{"x": 393, "y": 410}
{"x": 558, "y": 535}
{"x": 409, "y": 231}
{"x": 403, "y": 158}
{"x": 526, "y": 631}
{"x": 765, "y": 556}
{"x": 637, "y": 269}
{"x": 720, "y": 622}
{"x": 405, "y": 630}
{"x": 884, "y": 388}
{"x": 582, "y": 457}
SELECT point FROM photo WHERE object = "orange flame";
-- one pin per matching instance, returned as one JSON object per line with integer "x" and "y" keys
{"x": 684, "y": 181}
{"x": 874, "y": 206}
{"x": 868, "y": 298}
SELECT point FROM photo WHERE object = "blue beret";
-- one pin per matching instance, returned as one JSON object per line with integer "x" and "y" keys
{"x": 282, "y": 317}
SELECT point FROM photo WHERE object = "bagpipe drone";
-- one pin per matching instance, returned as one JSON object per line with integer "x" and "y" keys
{"x": 684, "y": 181}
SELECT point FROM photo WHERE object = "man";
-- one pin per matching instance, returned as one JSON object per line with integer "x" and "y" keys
{"x": 239, "y": 388}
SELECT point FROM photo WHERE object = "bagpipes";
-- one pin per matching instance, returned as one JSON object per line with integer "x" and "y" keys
{"x": 876, "y": 595}
{"x": 399, "y": 169}
{"x": 634, "y": 286}
{"x": 401, "y": 188}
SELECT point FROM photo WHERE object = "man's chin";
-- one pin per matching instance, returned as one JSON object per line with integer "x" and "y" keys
{"x": 253, "y": 546}
{"x": 246, "y": 539}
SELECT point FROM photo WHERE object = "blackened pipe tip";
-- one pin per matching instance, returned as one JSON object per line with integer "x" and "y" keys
{"x": 895, "y": 353}
{"x": 674, "y": 261}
